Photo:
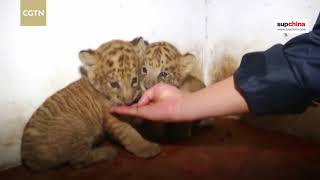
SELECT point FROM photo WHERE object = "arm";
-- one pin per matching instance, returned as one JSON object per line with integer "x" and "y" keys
{"x": 166, "y": 103}
{"x": 218, "y": 99}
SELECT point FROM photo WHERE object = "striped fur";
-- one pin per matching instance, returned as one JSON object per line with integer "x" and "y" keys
{"x": 65, "y": 128}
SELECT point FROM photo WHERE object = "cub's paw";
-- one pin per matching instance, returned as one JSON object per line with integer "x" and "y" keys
{"x": 146, "y": 149}
{"x": 105, "y": 153}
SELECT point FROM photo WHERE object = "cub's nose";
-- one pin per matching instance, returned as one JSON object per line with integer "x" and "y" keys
{"x": 127, "y": 102}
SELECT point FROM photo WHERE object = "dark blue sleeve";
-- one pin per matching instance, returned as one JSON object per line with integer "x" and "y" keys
{"x": 284, "y": 78}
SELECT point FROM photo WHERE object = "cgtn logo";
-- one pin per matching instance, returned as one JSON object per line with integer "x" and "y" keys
{"x": 33, "y": 12}
{"x": 292, "y": 26}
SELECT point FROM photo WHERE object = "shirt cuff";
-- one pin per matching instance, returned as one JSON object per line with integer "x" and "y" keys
{"x": 267, "y": 83}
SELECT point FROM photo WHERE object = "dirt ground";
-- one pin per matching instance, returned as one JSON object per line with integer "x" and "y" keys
{"x": 229, "y": 150}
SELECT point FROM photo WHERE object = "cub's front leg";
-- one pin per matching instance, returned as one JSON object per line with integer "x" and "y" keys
{"x": 130, "y": 138}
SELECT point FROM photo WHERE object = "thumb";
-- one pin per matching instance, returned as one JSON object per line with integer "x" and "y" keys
{"x": 148, "y": 96}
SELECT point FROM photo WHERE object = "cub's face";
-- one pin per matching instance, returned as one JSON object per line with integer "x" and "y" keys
{"x": 113, "y": 69}
{"x": 162, "y": 62}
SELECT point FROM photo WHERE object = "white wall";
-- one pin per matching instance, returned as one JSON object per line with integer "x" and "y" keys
{"x": 37, "y": 61}
{"x": 237, "y": 27}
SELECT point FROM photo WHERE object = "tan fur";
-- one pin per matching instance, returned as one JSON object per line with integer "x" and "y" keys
{"x": 223, "y": 68}
{"x": 67, "y": 125}
{"x": 163, "y": 57}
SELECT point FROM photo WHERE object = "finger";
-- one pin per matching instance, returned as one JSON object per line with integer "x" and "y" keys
{"x": 150, "y": 95}
{"x": 143, "y": 112}
{"x": 116, "y": 108}
{"x": 154, "y": 112}
{"x": 134, "y": 105}
{"x": 146, "y": 97}
{"x": 128, "y": 110}
{"x": 144, "y": 100}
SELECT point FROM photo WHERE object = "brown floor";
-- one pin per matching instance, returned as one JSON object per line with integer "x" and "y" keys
{"x": 230, "y": 150}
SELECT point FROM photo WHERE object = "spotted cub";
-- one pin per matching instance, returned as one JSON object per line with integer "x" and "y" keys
{"x": 66, "y": 128}
{"x": 162, "y": 62}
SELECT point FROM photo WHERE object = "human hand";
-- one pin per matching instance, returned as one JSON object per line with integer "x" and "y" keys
{"x": 162, "y": 102}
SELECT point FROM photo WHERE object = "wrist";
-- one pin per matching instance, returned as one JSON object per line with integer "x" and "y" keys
{"x": 181, "y": 107}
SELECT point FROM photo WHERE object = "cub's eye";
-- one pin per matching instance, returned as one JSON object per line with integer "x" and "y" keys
{"x": 134, "y": 82}
{"x": 144, "y": 70}
{"x": 163, "y": 74}
{"x": 115, "y": 84}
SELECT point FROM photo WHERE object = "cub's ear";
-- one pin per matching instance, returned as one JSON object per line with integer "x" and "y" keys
{"x": 139, "y": 41}
{"x": 88, "y": 58}
{"x": 188, "y": 62}
{"x": 140, "y": 45}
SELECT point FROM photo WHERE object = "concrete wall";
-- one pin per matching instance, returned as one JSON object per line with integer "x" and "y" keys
{"x": 37, "y": 61}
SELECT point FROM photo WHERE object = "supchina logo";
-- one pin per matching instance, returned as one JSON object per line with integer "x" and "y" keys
{"x": 292, "y": 26}
{"x": 293, "y": 23}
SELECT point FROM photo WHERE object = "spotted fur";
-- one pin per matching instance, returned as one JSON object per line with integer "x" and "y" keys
{"x": 162, "y": 62}
{"x": 65, "y": 128}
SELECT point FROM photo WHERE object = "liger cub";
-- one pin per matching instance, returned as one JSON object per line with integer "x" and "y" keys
{"x": 67, "y": 126}
{"x": 162, "y": 62}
